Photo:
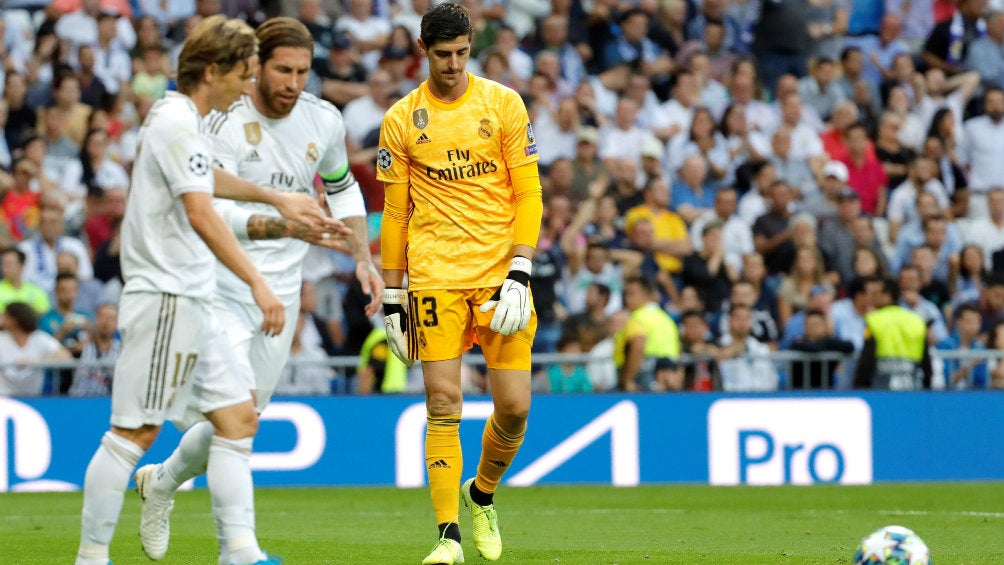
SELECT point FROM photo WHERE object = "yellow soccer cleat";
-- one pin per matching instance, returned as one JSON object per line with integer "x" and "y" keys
{"x": 446, "y": 552}
{"x": 486, "y": 525}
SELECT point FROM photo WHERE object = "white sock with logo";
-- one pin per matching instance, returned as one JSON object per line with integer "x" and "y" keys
{"x": 232, "y": 492}
{"x": 188, "y": 461}
{"x": 105, "y": 483}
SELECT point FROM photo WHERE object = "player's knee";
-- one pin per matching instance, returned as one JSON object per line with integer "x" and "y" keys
{"x": 512, "y": 413}
{"x": 443, "y": 403}
{"x": 143, "y": 436}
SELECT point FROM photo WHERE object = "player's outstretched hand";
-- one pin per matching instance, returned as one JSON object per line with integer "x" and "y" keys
{"x": 327, "y": 233}
{"x": 300, "y": 208}
{"x": 272, "y": 308}
{"x": 511, "y": 301}
{"x": 395, "y": 320}
{"x": 372, "y": 283}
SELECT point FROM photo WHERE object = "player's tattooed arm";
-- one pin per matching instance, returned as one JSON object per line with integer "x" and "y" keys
{"x": 261, "y": 226}
{"x": 271, "y": 227}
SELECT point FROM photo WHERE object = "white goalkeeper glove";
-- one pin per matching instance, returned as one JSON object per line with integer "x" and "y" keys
{"x": 395, "y": 320}
{"x": 512, "y": 300}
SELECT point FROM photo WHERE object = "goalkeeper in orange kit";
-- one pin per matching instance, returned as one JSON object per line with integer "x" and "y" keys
{"x": 458, "y": 160}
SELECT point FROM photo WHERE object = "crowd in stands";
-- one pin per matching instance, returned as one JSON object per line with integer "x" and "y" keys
{"x": 722, "y": 178}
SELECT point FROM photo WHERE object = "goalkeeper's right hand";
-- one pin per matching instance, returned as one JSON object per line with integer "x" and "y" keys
{"x": 395, "y": 320}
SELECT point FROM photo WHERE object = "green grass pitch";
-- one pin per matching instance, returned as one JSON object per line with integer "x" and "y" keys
{"x": 554, "y": 525}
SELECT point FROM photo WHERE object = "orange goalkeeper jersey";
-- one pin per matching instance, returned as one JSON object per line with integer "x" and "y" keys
{"x": 455, "y": 157}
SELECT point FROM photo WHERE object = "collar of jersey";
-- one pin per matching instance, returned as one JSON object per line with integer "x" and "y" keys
{"x": 449, "y": 105}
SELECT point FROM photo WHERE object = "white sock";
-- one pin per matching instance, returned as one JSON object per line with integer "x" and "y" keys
{"x": 188, "y": 461}
{"x": 105, "y": 483}
{"x": 232, "y": 492}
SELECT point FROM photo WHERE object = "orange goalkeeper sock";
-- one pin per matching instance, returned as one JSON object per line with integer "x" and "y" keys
{"x": 444, "y": 462}
{"x": 498, "y": 449}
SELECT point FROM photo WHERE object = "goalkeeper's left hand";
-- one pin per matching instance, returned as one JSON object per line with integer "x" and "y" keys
{"x": 512, "y": 300}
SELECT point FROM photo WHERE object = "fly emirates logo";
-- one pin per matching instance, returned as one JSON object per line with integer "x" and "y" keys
{"x": 459, "y": 166}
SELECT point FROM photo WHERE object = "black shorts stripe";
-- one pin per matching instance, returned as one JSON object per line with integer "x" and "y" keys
{"x": 173, "y": 300}
{"x": 412, "y": 326}
{"x": 157, "y": 379}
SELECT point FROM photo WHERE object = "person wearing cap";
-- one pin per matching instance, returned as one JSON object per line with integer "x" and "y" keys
{"x": 343, "y": 78}
{"x": 651, "y": 157}
{"x": 836, "y": 238}
{"x": 586, "y": 165}
{"x": 824, "y": 203}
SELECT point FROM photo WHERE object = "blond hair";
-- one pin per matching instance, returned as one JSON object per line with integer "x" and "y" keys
{"x": 225, "y": 42}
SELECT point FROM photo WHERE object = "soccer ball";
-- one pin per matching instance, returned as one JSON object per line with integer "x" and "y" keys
{"x": 892, "y": 545}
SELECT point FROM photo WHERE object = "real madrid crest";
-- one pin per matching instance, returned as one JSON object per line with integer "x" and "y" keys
{"x": 252, "y": 132}
{"x": 420, "y": 118}
{"x": 312, "y": 153}
{"x": 485, "y": 130}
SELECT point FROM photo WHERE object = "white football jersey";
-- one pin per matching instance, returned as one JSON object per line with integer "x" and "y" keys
{"x": 161, "y": 252}
{"x": 285, "y": 154}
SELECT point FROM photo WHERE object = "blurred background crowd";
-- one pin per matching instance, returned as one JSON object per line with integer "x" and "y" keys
{"x": 721, "y": 177}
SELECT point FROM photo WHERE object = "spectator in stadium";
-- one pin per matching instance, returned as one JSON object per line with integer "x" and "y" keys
{"x": 797, "y": 171}
{"x": 806, "y": 274}
{"x": 995, "y": 340}
{"x": 367, "y": 31}
{"x": 678, "y": 110}
{"x": 623, "y": 138}
{"x": 819, "y": 90}
{"x": 817, "y": 338}
{"x": 707, "y": 271}
{"x": 897, "y": 101}
{"x": 343, "y": 78}
{"x": 933, "y": 289}
{"x": 694, "y": 191}
{"x": 556, "y": 128}
{"x": 151, "y": 79}
{"x": 568, "y": 377}
{"x": 910, "y": 298}
{"x": 895, "y": 158}
{"x": 702, "y": 139}
{"x": 22, "y": 121}
{"x": 554, "y": 36}
{"x": 14, "y": 288}
{"x": 102, "y": 346}
{"x": 845, "y": 114}
{"x": 586, "y": 166}
{"x": 854, "y": 83}
{"x": 938, "y": 233}
{"x": 951, "y": 175}
{"x": 712, "y": 93}
{"x": 590, "y": 326}
{"x": 112, "y": 65}
{"x": 737, "y": 238}
{"x": 805, "y": 141}
{"x": 848, "y": 318}
{"x": 963, "y": 374}
{"x": 59, "y": 148}
{"x": 22, "y": 343}
{"x": 773, "y": 233}
{"x": 745, "y": 294}
{"x": 902, "y": 206}
{"x": 986, "y": 53}
{"x": 866, "y": 174}
{"x": 593, "y": 262}
{"x": 633, "y": 48}
{"x": 92, "y": 90}
{"x": 363, "y": 115}
{"x": 966, "y": 280}
{"x": 91, "y": 174}
{"x": 63, "y": 321}
{"x": 985, "y": 135}
{"x": 696, "y": 339}
{"x": 868, "y": 262}
{"x": 947, "y": 45}
{"x": 90, "y": 293}
{"x": 824, "y": 203}
{"x": 647, "y": 348}
{"x": 782, "y": 40}
{"x": 744, "y": 143}
{"x": 67, "y": 104}
{"x": 672, "y": 243}
{"x": 19, "y": 204}
{"x": 988, "y": 232}
{"x": 80, "y": 27}
{"x": 742, "y": 359}
{"x": 41, "y": 250}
